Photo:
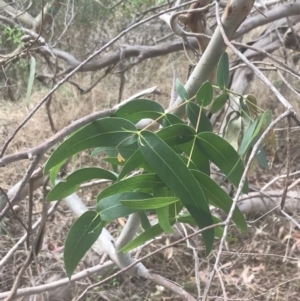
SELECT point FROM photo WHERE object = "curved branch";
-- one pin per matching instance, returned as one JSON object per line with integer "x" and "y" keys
{"x": 235, "y": 13}
{"x": 278, "y": 12}
{"x": 100, "y": 268}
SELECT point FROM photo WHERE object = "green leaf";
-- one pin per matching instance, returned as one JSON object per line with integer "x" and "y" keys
{"x": 181, "y": 90}
{"x": 113, "y": 161}
{"x": 150, "y": 203}
{"x": 102, "y": 132}
{"x": 135, "y": 161}
{"x": 174, "y": 173}
{"x": 221, "y": 153}
{"x": 223, "y": 71}
{"x": 176, "y": 134}
{"x": 144, "y": 237}
{"x": 31, "y": 78}
{"x": 171, "y": 119}
{"x": 219, "y": 103}
{"x": 186, "y": 218}
{"x": 200, "y": 161}
{"x": 111, "y": 207}
{"x": 132, "y": 183}
{"x": 204, "y": 95}
{"x": 55, "y": 170}
{"x": 262, "y": 158}
{"x": 193, "y": 111}
{"x": 219, "y": 198}
{"x": 248, "y": 137}
{"x": 144, "y": 220}
{"x": 73, "y": 181}
{"x": 138, "y": 109}
{"x": 254, "y": 131}
{"x": 234, "y": 132}
{"x": 82, "y": 235}
{"x": 163, "y": 219}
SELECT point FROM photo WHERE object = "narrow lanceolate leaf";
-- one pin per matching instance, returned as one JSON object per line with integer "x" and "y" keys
{"x": 82, "y": 235}
{"x": 148, "y": 204}
{"x": 170, "y": 119}
{"x": 145, "y": 236}
{"x": 54, "y": 171}
{"x": 219, "y": 103}
{"x": 138, "y": 109}
{"x": 135, "y": 161}
{"x": 202, "y": 123}
{"x": 175, "y": 174}
{"x": 219, "y": 198}
{"x": 204, "y": 95}
{"x": 111, "y": 207}
{"x": 144, "y": 220}
{"x": 181, "y": 90}
{"x": 193, "y": 152}
{"x": 73, "y": 181}
{"x": 176, "y": 134}
{"x": 163, "y": 219}
{"x": 248, "y": 137}
{"x": 221, "y": 153}
{"x": 130, "y": 184}
{"x": 223, "y": 71}
{"x": 99, "y": 133}
{"x": 31, "y": 78}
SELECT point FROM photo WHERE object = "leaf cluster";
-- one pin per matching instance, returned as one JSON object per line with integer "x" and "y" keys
{"x": 166, "y": 172}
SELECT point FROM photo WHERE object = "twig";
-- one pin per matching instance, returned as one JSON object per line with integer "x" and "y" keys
{"x": 9, "y": 205}
{"x": 30, "y": 209}
{"x": 62, "y": 282}
{"x": 43, "y": 147}
{"x": 290, "y": 218}
{"x": 71, "y": 73}
{"x": 278, "y": 178}
{"x": 147, "y": 256}
{"x": 222, "y": 285}
{"x": 23, "y": 182}
{"x": 287, "y": 113}
{"x": 23, "y": 238}
{"x": 288, "y": 84}
{"x": 13, "y": 291}
{"x": 171, "y": 286}
{"x": 288, "y": 162}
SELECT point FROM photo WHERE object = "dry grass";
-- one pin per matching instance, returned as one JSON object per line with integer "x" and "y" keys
{"x": 260, "y": 265}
